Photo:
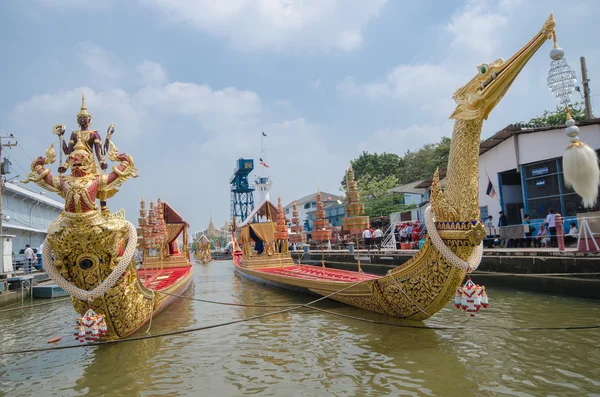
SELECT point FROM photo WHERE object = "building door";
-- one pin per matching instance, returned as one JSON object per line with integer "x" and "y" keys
{"x": 513, "y": 213}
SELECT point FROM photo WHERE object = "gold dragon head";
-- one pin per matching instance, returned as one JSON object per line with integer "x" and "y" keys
{"x": 479, "y": 96}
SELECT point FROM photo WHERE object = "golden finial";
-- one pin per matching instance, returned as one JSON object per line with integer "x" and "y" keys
{"x": 83, "y": 111}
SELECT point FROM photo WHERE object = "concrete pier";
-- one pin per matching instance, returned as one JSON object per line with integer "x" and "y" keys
{"x": 569, "y": 273}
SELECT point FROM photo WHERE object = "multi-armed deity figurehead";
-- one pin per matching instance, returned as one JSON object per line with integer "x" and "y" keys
{"x": 90, "y": 139}
{"x": 86, "y": 184}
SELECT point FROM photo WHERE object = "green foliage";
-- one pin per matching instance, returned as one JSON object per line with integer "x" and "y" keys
{"x": 377, "y": 173}
{"x": 559, "y": 116}
{"x": 373, "y": 187}
{"x": 222, "y": 241}
{"x": 422, "y": 163}
{"x": 385, "y": 205}
{"x": 374, "y": 165}
{"x": 413, "y": 166}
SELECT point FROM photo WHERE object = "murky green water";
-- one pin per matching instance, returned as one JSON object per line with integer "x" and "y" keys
{"x": 307, "y": 353}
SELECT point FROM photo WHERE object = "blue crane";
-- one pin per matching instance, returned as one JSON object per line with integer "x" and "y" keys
{"x": 242, "y": 193}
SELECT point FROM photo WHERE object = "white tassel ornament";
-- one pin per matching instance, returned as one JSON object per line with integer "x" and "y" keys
{"x": 580, "y": 162}
{"x": 580, "y": 166}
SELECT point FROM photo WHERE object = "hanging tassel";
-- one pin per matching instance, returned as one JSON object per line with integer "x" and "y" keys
{"x": 580, "y": 162}
{"x": 457, "y": 298}
{"x": 580, "y": 166}
{"x": 484, "y": 298}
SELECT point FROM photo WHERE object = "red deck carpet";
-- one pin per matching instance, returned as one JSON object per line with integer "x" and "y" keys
{"x": 318, "y": 273}
{"x": 161, "y": 279}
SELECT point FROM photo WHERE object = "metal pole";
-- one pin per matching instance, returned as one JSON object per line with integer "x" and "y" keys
{"x": 586, "y": 90}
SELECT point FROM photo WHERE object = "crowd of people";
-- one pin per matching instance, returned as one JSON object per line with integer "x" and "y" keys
{"x": 545, "y": 235}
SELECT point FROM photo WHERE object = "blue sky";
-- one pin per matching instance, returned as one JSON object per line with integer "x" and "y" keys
{"x": 190, "y": 84}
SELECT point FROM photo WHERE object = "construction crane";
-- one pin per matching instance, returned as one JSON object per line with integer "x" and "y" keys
{"x": 242, "y": 193}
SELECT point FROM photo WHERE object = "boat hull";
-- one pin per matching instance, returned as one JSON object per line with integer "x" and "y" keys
{"x": 415, "y": 290}
{"x": 90, "y": 247}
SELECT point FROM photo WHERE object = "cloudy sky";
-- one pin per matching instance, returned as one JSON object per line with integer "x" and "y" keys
{"x": 190, "y": 84}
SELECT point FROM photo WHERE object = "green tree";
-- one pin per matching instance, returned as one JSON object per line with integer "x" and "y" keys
{"x": 374, "y": 165}
{"x": 559, "y": 116}
{"x": 421, "y": 164}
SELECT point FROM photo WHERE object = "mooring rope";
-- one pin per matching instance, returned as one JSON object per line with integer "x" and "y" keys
{"x": 184, "y": 331}
{"x": 30, "y": 306}
{"x": 291, "y": 308}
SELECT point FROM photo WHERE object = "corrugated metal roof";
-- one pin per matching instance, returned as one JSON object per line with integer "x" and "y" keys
{"x": 313, "y": 197}
{"x": 424, "y": 184}
{"x": 513, "y": 129}
{"x": 32, "y": 195}
{"x": 20, "y": 227}
{"x": 408, "y": 188}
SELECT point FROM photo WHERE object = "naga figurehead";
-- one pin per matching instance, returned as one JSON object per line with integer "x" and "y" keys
{"x": 479, "y": 96}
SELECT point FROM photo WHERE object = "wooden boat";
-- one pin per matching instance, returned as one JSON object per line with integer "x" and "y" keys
{"x": 202, "y": 253}
{"x": 89, "y": 252}
{"x": 424, "y": 284}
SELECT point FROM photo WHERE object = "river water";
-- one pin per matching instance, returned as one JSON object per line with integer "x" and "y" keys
{"x": 308, "y": 353}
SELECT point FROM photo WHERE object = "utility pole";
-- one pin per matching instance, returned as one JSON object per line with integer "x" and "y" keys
{"x": 586, "y": 90}
{"x": 4, "y": 169}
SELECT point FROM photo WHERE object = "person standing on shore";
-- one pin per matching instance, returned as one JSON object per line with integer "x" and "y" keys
{"x": 367, "y": 237}
{"x": 28, "y": 258}
{"x": 377, "y": 235}
{"x": 551, "y": 222}
{"x": 490, "y": 232}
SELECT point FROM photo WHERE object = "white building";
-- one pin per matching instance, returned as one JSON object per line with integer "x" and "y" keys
{"x": 30, "y": 215}
{"x": 525, "y": 168}
{"x": 308, "y": 204}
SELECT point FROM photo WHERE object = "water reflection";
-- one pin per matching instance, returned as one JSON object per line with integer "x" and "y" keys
{"x": 307, "y": 353}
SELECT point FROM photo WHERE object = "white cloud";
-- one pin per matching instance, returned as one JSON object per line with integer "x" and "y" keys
{"x": 212, "y": 108}
{"x": 402, "y": 139}
{"x": 102, "y": 63}
{"x": 185, "y": 138}
{"x": 475, "y": 29}
{"x": 480, "y": 31}
{"x": 152, "y": 73}
{"x": 78, "y": 4}
{"x": 113, "y": 105}
{"x": 277, "y": 24}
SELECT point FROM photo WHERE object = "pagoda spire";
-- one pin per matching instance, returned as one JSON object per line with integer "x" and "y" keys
{"x": 297, "y": 236}
{"x": 354, "y": 222}
{"x": 281, "y": 231}
{"x": 322, "y": 230}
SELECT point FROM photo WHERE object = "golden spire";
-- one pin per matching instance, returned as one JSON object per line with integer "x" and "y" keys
{"x": 83, "y": 111}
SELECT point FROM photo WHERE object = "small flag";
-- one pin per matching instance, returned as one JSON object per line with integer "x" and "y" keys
{"x": 264, "y": 133}
{"x": 329, "y": 198}
{"x": 263, "y": 163}
{"x": 490, "y": 189}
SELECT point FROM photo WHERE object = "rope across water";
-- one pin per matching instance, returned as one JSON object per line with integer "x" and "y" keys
{"x": 467, "y": 266}
{"x": 107, "y": 284}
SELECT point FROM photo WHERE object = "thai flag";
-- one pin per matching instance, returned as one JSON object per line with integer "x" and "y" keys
{"x": 490, "y": 191}
{"x": 263, "y": 163}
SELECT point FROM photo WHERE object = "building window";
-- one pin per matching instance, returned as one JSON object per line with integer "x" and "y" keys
{"x": 545, "y": 189}
{"x": 483, "y": 211}
{"x": 306, "y": 206}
